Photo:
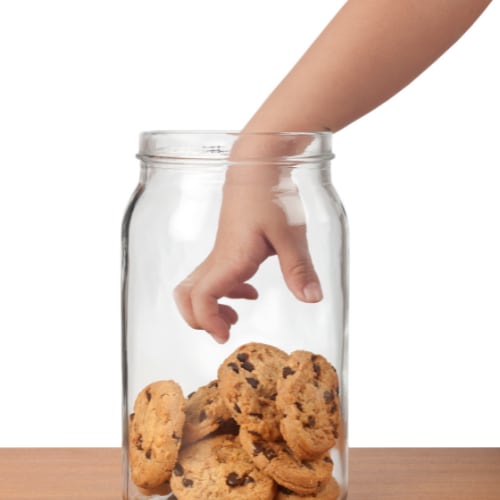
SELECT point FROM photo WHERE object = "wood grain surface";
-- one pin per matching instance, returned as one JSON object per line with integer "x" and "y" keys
{"x": 375, "y": 474}
{"x": 424, "y": 474}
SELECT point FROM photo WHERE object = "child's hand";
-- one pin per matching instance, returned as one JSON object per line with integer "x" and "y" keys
{"x": 369, "y": 52}
{"x": 261, "y": 215}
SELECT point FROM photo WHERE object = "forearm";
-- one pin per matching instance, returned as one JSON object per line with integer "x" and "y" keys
{"x": 368, "y": 52}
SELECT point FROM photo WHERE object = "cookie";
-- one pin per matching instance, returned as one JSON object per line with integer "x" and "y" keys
{"x": 308, "y": 399}
{"x": 155, "y": 431}
{"x": 162, "y": 490}
{"x": 218, "y": 468}
{"x": 247, "y": 383}
{"x": 329, "y": 492}
{"x": 205, "y": 413}
{"x": 303, "y": 477}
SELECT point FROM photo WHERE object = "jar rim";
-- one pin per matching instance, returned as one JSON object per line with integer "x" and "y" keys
{"x": 216, "y": 146}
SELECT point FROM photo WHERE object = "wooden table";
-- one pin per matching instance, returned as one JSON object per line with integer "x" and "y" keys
{"x": 375, "y": 474}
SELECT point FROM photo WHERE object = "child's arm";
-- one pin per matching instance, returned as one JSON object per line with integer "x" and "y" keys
{"x": 368, "y": 52}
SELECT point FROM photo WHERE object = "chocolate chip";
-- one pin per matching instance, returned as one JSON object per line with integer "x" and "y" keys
{"x": 311, "y": 422}
{"x": 287, "y": 371}
{"x": 202, "y": 416}
{"x": 314, "y": 357}
{"x": 148, "y": 454}
{"x": 284, "y": 490}
{"x": 188, "y": 483}
{"x": 328, "y": 396}
{"x": 176, "y": 437}
{"x": 248, "y": 366}
{"x": 252, "y": 381}
{"x": 138, "y": 443}
{"x": 317, "y": 370}
{"x": 178, "y": 469}
{"x": 228, "y": 426}
{"x": 234, "y": 367}
{"x": 256, "y": 415}
{"x": 258, "y": 447}
{"x": 299, "y": 406}
{"x": 269, "y": 453}
{"x": 233, "y": 479}
{"x": 307, "y": 465}
{"x": 328, "y": 460}
{"x": 236, "y": 408}
{"x": 242, "y": 356}
{"x": 190, "y": 395}
{"x": 272, "y": 397}
{"x": 148, "y": 395}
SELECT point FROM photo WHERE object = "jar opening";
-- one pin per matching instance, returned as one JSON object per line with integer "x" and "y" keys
{"x": 174, "y": 146}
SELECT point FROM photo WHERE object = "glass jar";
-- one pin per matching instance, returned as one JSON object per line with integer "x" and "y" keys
{"x": 264, "y": 414}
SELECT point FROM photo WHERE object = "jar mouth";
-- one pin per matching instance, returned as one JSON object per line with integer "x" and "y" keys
{"x": 213, "y": 146}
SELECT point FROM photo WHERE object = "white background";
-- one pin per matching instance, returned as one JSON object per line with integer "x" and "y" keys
{"x": 419, "y": 178}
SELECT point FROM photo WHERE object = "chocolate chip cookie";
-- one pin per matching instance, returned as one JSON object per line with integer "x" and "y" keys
{"x": 329, "y": 492}
{"x": 308, "y": 399}
{"x": 303, "y": 477}
{"x": 216, "y": 468}
{"x": 205, "y": 413}
{"x": 162, "y": 490}
{"x": 247, "y": 382}
{"x": 155, "y": 431}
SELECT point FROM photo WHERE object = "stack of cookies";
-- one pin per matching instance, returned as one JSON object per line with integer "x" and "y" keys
{"x": 263, "y": 430}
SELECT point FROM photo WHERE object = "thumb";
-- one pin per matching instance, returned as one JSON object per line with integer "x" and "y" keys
{"x": 296, "y": 265}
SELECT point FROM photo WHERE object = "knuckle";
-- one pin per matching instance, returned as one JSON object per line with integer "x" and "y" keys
{"x": 198, "y": 295}
{"x": 298, "y": 270}
{"x": 181, "y": 291}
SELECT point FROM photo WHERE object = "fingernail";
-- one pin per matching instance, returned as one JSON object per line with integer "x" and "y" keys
{"x": 312, "y": 292}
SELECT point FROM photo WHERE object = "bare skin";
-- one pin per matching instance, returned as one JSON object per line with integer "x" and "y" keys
{"x": 367, "y": 53}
